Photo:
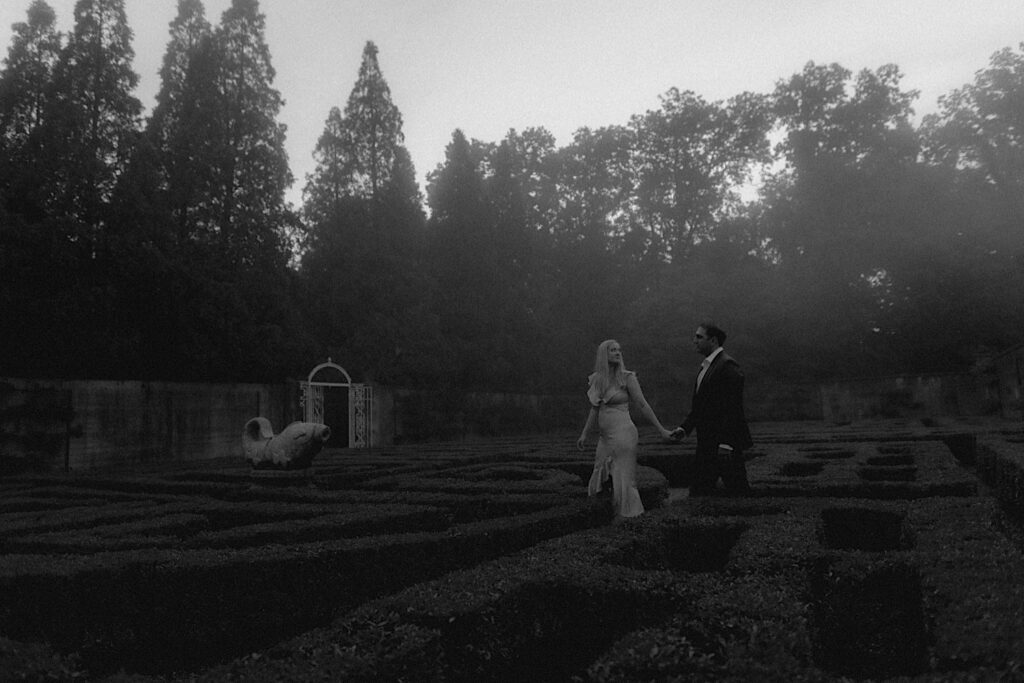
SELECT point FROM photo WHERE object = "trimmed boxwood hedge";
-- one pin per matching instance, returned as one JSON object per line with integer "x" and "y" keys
{"x": 788, "y": 471}
{"x": 1001, "y": 465}
{"x": 37, "y": 662}
{"x": 783, "y": 607}
{"x": 162, "y": 609}
{"x": 541, "y": 613}
{"x": 818, "y": 577}
{"x": 868, "y": 616}
{"x": 191, "y": 530}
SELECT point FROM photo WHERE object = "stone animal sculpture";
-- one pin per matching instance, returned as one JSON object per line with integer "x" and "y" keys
{"x": 292, "y": 449}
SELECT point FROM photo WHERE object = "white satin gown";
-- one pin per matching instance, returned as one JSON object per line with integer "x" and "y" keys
{"x": 616, "y": 453}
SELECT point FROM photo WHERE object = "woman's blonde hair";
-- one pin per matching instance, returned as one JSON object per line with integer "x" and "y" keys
{"x": 604, "y": 376}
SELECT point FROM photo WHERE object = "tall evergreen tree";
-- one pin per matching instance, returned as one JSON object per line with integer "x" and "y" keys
{"x": 241, "y": 171}
{"x": 364, "y": 212}
{"x": 177, "y": 149}
{"x": 93, "y": 115}
{"x": 468, "y": 264}
{"x": 82, "y": 146}
{"x": 361, "y": 154}
{"x": 25, "y": 79}
{"x": 402, "y": 198}
{"x": 374, "y": 124}
{"x": 455, "y": 189}
{"x": 332, "y": 180}
{"x": 188, "y": 30}
{"x": 25, "y": 83}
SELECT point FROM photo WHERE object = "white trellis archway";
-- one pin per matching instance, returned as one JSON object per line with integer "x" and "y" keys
{"x": 360, "y": 401}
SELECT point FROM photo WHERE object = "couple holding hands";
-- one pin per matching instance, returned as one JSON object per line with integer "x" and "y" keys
{"x": 716, "y": 413}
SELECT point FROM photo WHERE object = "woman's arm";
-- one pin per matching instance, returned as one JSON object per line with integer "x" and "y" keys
{"x": 636, "y": 395}
{"x": 587, "y": 428}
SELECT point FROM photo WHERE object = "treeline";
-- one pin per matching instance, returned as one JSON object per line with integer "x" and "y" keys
{"x": 829, "y": 234}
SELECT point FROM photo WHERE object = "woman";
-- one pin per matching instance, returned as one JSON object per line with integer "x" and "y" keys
{"x": 612, "y": 389}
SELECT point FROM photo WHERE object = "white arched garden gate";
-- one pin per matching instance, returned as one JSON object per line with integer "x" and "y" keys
{"x": 360, "y": 401}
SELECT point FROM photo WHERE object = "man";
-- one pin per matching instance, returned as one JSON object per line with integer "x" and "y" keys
{"x": 716, "y": 412}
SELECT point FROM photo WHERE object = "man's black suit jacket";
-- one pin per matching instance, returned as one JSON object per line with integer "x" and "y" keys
{"x": 716, "y": 411}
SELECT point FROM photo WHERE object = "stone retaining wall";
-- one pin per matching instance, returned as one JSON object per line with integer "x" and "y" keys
{"x": 53, "y": 424}
{"x": 112, "y": 422}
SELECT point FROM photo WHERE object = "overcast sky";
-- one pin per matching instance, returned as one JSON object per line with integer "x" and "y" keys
{"x": 486, "y": 66}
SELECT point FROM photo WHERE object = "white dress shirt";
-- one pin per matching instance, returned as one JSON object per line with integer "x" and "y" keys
{"x": 706, "y": 363}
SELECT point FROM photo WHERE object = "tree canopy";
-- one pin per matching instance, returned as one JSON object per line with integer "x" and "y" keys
{"x": 824, "y": 228}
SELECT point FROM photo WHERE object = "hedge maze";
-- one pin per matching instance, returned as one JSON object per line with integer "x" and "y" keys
{"x": 892, "y": 550}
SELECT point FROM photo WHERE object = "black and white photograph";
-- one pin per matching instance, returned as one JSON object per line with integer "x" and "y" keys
{"x": 568, "y": 341}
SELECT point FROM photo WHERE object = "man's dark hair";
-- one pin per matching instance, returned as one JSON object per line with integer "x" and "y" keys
{"x": 714, "y": 331}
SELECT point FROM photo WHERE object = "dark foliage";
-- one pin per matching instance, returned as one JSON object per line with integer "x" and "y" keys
{"x": 166, "y": 250}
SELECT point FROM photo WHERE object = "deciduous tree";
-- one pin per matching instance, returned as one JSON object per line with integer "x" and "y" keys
{"x": 689, "y": 159}
{"x": 979, "y": 129}
{"x": 834, "y": 213}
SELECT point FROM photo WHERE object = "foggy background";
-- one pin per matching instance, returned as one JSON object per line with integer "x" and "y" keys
{"x": 825, "y": 222}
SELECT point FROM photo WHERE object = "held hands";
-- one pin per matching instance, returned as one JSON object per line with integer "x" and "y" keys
{"x": 672, "y": 435}
{"x": 675, "y": 435}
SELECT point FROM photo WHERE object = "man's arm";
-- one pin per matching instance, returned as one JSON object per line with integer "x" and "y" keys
{"x": 731, "y": 420}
